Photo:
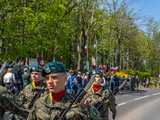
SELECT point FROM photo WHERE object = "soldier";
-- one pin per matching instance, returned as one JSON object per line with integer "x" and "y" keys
{"x": 2, "y": 91}
{"x": 101, "y": 99}
{"x": 32, "y": 89}
{"x": 56, "y": 100}
{"x": 26, "y": 76}
{"x": 72, "y": 84}
{"x": 9, "y": 110}
{"x": 28, "y": 95}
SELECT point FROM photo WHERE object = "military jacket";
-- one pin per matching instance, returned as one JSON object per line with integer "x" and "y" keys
{"x": 101, "y": 101}
{"x": 28, "y": 93}
{"x": 9, "y": 107}
{"x": 45, "y": 109}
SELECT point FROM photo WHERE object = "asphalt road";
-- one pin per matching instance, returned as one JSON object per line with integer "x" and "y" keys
{"x": 139, "y": 105}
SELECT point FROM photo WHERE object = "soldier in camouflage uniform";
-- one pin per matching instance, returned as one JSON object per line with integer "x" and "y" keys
{"x": 25, "y": 97}
{"x": 100, "y": 99}
{"x": 9, "y": 110}
{"x": 51, "y": 104}
{"x": 32, "y": 89}
{"x": 3, "y": 90}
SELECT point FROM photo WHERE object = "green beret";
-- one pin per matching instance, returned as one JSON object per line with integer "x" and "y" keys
{"x": 54, "y": 67}
{"x": 36, "y": 68}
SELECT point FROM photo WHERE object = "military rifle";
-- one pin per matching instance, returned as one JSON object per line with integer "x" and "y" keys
{"x": 99, "y": 104}
{"x": 36, "y": 96}
{"x": 62, "y": 114}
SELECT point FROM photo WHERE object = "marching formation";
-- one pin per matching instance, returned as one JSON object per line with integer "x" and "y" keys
{"x": 50, "y": 92}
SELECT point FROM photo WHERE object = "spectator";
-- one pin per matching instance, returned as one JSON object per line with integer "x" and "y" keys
{"x": 71, "y": 85}
{"x": 26, "y": 76}
{"x": 10, "y": 81}
{"x": 137, "y": 82}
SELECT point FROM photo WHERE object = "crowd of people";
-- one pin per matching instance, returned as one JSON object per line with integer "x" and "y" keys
{"x": 49, "y": 89}
{"x": 16, "y": 76}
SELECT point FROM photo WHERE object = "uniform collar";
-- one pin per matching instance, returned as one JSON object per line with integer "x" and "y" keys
{"x": 57, "y": 97}
{"x": 35, "y": 84}
{"x": 49, "y": 102}
{"x": 96, "y": 88}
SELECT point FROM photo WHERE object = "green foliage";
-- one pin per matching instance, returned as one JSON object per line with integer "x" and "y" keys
{"x": 139, "y": 73}
{"x": 65, "y": 28}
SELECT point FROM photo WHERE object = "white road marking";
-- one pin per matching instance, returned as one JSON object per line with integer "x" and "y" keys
{"x": 122, "y": 103}
{"x": 156, "y": 94}
{"x": 139, "y": 98}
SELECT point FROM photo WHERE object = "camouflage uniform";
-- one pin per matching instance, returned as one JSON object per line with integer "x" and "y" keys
{"x": 48, "y": 108}
{"x": 101, "y": 101}
{"x": 99, "y": 108}
{"x": 45, "y": 109}
{"x": 3, "y": 90}
{"x": 23, "y": 100}
{"x": 8, "y": 105}
{"x": 28, "y": 93}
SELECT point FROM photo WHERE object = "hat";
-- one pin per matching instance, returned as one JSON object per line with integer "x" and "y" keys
{"x": 9, "y": 66}
{"x": 36, "y": 68}
{"x": 54, "y": 67}
{"x": 100, "y": 73}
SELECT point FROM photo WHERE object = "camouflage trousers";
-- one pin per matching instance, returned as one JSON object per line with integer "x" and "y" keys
{"x": 11, "y": 116}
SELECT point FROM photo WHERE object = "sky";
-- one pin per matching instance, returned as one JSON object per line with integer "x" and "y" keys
{"x": 146, "y": 9}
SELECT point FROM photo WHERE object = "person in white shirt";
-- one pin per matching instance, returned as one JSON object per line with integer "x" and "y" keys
{"x": 9, "y": 79}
